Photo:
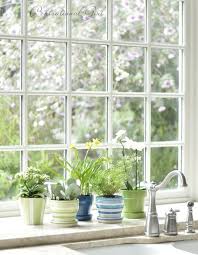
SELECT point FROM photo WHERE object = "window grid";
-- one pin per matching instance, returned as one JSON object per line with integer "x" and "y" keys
{"x": 24, "y": 148}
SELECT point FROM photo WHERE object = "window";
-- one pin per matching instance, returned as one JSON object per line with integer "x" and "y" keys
{"x": 69, "y": 78}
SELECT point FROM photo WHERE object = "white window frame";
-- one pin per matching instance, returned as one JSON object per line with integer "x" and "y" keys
{"x": 187, "y": 43}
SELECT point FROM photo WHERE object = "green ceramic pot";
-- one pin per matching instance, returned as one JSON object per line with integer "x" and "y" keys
{"x": 64, "y": 212}
{"x": 133, "y": 204}
{"x": 32, "y": 210}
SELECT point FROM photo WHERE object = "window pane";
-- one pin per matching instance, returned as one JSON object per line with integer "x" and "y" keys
{"x": 9, "y": 120}
{"x": 10, "y": 17}
{"x": 46, "y": 66}
{"x": 128, "y": 20}
{"x": 88, "y": 67}
{"x": 45, "y": 19}
{"x": 128, "y": 69}
{"x": 90, "y": 21}
{"x": 9, "y": 166}
{"x": 128, "y": 114}
{"x": 165, "y": 21}
{"x": 163, "y": 161}
{"x": 164, "y": 119}
{"x": 47, "y": 161}
{"x": 165, "y": 70}
{"x": 10, "y": 54}
{"x": 88, "y": 119}
{"x": 46, "y": 120}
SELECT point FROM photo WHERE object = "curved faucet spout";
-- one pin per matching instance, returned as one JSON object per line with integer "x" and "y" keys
{"x": 168, "y": 178}
{"x": 152, "y": 223}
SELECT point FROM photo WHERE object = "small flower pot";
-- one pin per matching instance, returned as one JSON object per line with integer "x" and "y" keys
{"x": 109, "y": 209}
{"x": 64, "y": 212}
{"x": 133, "y": 204}
{"x": 85, "y": 203}
{"x": 32, "y": 210}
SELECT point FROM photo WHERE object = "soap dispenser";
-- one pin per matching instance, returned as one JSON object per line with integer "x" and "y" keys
{"x": 170, "y": 226}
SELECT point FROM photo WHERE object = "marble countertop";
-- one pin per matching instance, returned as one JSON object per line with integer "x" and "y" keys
{"x": 14, "y": 234}
{"x": 75, "y": 248}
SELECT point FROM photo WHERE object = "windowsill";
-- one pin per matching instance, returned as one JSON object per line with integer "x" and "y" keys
{"x": 13, "y": 233}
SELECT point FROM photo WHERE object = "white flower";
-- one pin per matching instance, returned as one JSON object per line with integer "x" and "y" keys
{"x": 130, "y": 144}
{"x": 41, "y": 123}
{"x": 167, "y": 84}
{"x": 120, "y": 135}
{"x": 162, "y": 109}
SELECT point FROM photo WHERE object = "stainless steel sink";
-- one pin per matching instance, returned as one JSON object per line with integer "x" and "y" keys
{"x": 187, "y": 246}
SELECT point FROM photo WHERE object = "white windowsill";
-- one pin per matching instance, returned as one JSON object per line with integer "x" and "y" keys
{"x": 13, "y": 233}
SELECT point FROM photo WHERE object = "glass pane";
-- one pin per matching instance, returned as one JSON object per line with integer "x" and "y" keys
{"x": 10, "y": 54}
{"x": 165, "y": 21}
{"x": 9, "y": 120}
{"x": 89, "y": 19}
{"x": 163, "y": 161}
{"x": 128, "y": 20}
{"x": 128, "y": 114}
{"x": 89, "y": 67}
{"x": 165, "y": 70}
{"x": 46, "y": 120}
{"x": 46, "y": 66}
{"x": 88, "y": 119}
{"x": 128, "y": 69}
{"x": 46, "y": 160}
{"x": 47, "y": 18}
{"x": 164, "y": 119}
{"x": 9, "y": 166}
{"x": 10, "y": 17}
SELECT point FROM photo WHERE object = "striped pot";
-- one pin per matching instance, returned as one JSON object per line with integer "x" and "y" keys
{"x": 64, "y": 212}
{"x": 32, "y": 210}
{"x": 109, "y": 209}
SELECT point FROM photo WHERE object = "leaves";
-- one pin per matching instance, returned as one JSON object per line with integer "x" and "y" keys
{"x": 64, "y": 190}
{"x": 83, "y": 169}
{"x": 108, "y": 182}
{"x": 31, "y": 183}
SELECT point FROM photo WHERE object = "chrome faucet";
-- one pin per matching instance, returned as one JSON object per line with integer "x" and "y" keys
{"x": 152, "y": 222}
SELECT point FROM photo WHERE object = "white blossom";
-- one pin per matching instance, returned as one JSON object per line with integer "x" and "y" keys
{"x": 120, "y": 135}
{"x": 130, "y": 144}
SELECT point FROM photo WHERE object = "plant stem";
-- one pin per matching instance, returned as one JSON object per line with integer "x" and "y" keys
{"x": 123, "y": 154}
{"x": 136, "y": 169}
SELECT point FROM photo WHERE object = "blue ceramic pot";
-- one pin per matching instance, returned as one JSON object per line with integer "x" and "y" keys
{"x": 109, "y": 209}
{"x": 85, "y": 203}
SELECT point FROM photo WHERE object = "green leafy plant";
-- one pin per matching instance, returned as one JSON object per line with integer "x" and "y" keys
{"x": 131, "y": 161}
{"x": 64, "y": 190}
{"x": 108, "y": 181}
{"x": 83, "y": 169}
{"x": 31, "y": 183}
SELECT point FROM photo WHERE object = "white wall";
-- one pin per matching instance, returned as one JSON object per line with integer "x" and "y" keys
{"x": 191, "y": 114}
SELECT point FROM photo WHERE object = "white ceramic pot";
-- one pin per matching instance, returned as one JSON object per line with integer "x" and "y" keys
{"x": 64, "y": 212}
{"x": 32, "y": 210}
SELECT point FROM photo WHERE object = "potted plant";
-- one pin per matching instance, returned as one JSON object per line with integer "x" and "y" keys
{"x": 32, "y": 195}
{"x": 106, "y": 184}
{"x": 83, "y": 170}
{"x": 64, "y": 202}
{"x": 134, "y": 192}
